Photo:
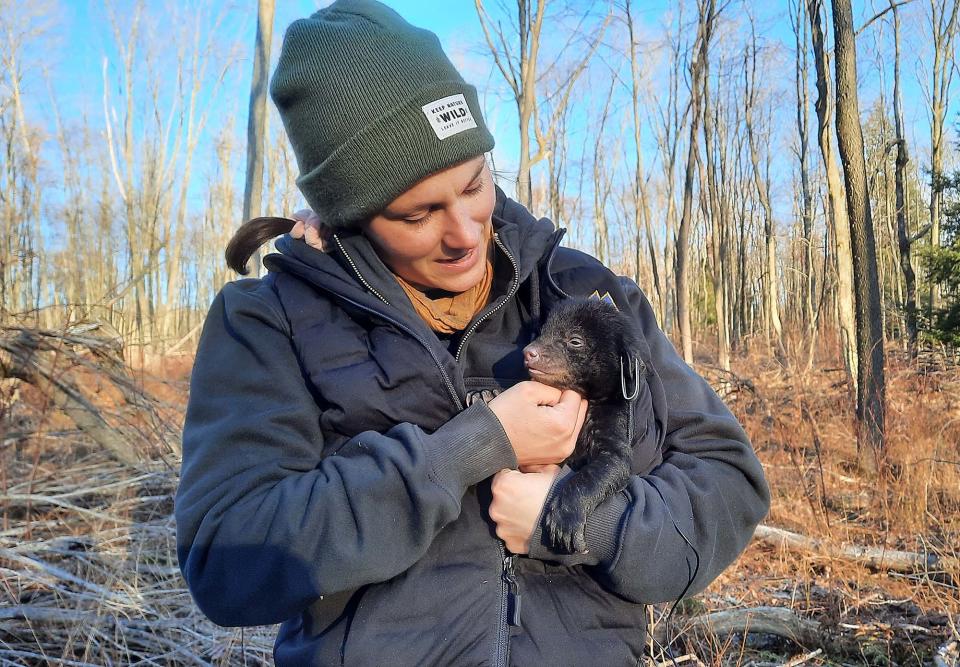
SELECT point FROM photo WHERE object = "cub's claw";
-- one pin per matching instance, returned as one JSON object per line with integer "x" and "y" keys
{"x": 565, "y": 521}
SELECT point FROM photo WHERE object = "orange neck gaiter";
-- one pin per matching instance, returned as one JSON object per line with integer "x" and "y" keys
{"x": 450, "y": 314}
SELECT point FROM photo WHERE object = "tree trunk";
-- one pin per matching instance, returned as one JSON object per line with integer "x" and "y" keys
{"x": 641, "y": 208}
{"x": 257, "y": 116}
{"x": 871, "y": 389}
{"x": 943, "y": 23}
{"x": 761, "y": 179}
{"x": 836, "y": 199}
{"x": 903, "y": 232}
{"x": 602, "y": 183}
{"x": 701, "y": 51}
{"x": 710, "y": 196}
{"x": 806, "y": 195}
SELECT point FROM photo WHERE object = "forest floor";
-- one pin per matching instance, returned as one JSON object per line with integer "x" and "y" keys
{"x": 88, "y": 570}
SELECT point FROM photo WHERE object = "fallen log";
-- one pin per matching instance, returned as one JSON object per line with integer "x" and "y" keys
{"x": 878, "y": 558}
{"x": 777, "y": 621}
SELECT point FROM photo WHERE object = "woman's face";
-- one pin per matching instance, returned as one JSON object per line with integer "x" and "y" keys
{"x": 436, "y": 234}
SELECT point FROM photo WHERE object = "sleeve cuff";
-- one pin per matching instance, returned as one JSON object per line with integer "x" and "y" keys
{"x": 603, "y": 529}
{"x": 469, "y": 448}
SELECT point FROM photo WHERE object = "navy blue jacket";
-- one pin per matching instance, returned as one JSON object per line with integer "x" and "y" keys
{"x": 336, "y": 473}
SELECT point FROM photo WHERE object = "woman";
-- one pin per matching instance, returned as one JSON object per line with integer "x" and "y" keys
{"x": 336, "y": 471}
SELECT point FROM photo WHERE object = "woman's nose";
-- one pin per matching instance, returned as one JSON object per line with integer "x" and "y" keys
{"x": 462, "y": 230}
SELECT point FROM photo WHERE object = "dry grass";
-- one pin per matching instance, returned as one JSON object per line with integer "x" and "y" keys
{"x": 803, "y": 428}
{"x": 88, "y": 570}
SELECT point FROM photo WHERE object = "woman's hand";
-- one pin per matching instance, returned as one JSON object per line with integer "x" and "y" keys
{"x": 311, "y": 229}
{"x": 518, "y": 499}
{"x": 541, "y": 422}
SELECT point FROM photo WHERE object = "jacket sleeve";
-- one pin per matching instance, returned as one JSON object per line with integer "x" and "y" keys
{"x": 674, "y": 530}
{"x": 265, "y": 525}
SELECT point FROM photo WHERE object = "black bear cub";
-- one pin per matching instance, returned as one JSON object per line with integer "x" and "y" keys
{"x": 589, "y": 346}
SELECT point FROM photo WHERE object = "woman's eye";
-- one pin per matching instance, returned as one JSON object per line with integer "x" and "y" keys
{"x": 417, "y": 221}
{"x": 474, "y": 190}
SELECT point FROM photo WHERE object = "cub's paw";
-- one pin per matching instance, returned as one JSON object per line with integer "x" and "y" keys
{"x": 565, "y": 520}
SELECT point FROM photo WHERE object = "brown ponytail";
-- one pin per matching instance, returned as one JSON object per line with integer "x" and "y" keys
{"x": 251, "y": 235}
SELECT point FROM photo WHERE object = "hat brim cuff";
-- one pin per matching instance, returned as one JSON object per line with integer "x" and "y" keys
{"x": 388, "y": 157}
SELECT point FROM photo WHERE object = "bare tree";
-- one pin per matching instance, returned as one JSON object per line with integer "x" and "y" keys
{"x": 602, "y": 182}
{"x": 641, "y": 196}
{"x": 943, "y": 26}
{"x": 714, "y": 213}
{"x": 835, "y": 196}
{"x": 801, "y": 75}
{"x": 196, "y": 120}
{"x": 700, "y": 51}
{"x": 761, "y": 178}
{"x": 668, "y": 125}
{"x": 903, "y": 233}
{"x": 871, "y": 386}
{"x": 257, "y": 115}
{"x": 22, "y": 282}
{"x": 520, "y": 67}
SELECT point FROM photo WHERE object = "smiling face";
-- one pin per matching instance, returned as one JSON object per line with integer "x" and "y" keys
{"x": 436, "y": 234}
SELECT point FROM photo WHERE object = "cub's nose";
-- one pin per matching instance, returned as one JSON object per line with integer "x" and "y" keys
{"x": 531, "y": 354}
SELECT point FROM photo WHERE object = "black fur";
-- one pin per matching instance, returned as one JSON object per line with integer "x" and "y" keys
{"x": 581, "y": 347}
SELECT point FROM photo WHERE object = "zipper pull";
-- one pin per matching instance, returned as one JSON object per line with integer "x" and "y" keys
{"x": 513, "y": 592}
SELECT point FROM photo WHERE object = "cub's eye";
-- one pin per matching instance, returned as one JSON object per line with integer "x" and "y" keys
{"x": 575, "y": 342}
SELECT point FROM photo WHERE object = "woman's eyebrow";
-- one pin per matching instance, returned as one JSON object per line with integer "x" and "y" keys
{"x": 479, "y": 171}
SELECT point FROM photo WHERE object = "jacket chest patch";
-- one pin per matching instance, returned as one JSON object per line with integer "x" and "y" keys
{"x": 603, "y": 298}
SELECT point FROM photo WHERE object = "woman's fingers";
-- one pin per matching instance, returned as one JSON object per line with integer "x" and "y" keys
{"x": 313, "y": 238}
{"x": 550, "y": 468}
{"x": 570, "y": 400}
{"x": 310, "y": 228}
{"x": 582, "y": 414}
{"x": 304, "y": 215}
{"x": 541, "y": 394}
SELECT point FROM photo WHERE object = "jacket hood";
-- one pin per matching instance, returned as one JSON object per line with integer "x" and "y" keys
{"x": 353, "y": 269}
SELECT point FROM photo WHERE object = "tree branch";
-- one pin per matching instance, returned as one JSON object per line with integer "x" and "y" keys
{"x": 880, "y": 14}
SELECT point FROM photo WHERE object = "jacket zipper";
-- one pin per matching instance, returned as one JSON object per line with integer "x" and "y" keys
{"x": 513, "y": 592}
{"x": 553, "y": 252}
{"x": 513, "y": 290}
{"x": 509, "y": 587}
{"x": 509, "y": 607}
{"x": 443, "y": 373}
{"x": 510, "y": 601}
{"x": 357, "y": 271}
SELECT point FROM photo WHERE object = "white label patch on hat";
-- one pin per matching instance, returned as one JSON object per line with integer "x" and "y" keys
{"x": 449, "y": 116}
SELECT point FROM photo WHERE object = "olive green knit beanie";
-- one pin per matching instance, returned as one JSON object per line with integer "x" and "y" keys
{"x": 371, "y": 105}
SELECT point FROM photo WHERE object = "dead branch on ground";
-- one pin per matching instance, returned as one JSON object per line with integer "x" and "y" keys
{"x": 878, "y": 558}
{"x": 52, "y": 362}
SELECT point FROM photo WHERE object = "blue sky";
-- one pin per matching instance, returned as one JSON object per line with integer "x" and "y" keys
{"x": 80, "y": 35}
{"x": 79, "y": 38}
